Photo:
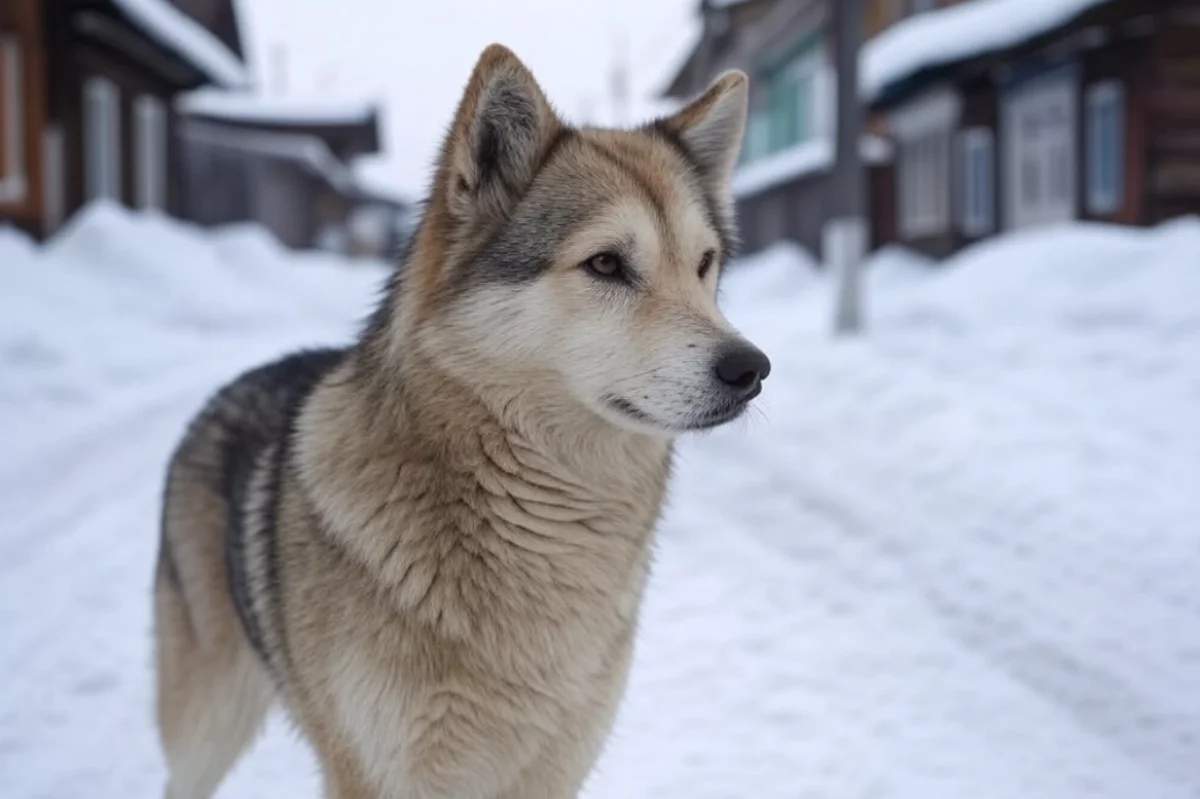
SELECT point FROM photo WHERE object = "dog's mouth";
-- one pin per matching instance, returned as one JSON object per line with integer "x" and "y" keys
{"x": 707, "y": 420}
{"x": 715, "y": 417}
{"x": 627, "y": 408}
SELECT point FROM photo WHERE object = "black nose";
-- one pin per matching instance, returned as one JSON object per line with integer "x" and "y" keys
{"x": 743, "y": 368}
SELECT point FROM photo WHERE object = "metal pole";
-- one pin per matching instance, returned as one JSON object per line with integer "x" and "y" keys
{"x": 845, "y": 237}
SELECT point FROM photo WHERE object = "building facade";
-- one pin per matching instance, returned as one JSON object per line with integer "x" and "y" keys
{"x": 1091, "y": 116}
{"x": 786, "y": 48}
{"x": 86, "y": 103}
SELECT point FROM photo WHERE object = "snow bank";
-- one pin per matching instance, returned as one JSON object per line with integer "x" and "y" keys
{"x": 115, "y": 298}
{"x": 953, "y": 557}
{"x": 961, "y": 31}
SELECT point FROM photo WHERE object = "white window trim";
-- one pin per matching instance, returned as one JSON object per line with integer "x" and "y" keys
{"x": 150, "y": 143}
{"x": 976, "y": 221}
{"x": 925, "y": 184}
{"x": 13, "y": 181}
{"x": 924, "y": 130}
{"x": 1100, "y": 199}
{"x": 1018, "y": 212}
{"x": 102, "y": 156}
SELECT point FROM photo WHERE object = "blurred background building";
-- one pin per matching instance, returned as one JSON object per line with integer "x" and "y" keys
{"x": 148, "y": 103}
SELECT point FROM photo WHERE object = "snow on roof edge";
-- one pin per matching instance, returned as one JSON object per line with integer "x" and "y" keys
{"x": 307, "y": 150}
{"x": 958, "y": 32}
{"x": 249, "y": 107}
{"x": 799, "y": 160}
{"x": 179, "y": 32}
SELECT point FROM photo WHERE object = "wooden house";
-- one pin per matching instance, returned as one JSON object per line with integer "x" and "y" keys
{"x": 86, "y": 93}
{"x": 1006, "y": 118}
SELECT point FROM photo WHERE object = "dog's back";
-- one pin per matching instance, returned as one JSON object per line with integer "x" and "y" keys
{"x": 207, "y": 592}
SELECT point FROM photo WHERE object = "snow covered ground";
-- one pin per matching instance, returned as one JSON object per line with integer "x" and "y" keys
{"x": 956, "y": 557}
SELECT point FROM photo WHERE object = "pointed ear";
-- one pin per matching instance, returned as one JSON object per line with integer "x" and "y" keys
{"x": 503, "y": 125}
{"x": 711, "y": 127}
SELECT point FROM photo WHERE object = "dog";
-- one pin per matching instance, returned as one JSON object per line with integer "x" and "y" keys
{"x": 430, "y": 547}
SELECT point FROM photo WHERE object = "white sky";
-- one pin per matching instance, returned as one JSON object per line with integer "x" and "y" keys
{"x": 414, "y": 56}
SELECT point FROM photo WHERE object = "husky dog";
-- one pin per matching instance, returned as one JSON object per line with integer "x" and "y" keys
{"x": 431, "y": 547}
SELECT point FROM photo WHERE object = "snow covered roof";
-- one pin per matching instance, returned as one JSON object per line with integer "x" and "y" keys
{"x": 962, "y": 31}
{"x": 248, "y": 107}
{"x": 189, "y": 39}
{"x": 306, "y": 150}
{"x": 795, "y": 162}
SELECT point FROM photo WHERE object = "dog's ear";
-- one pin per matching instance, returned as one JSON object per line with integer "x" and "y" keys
{"x": 501, "y": 130}
{"x": 711, "y": 126}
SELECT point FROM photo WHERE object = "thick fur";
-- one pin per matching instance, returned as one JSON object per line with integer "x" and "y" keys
{"x": 431, "y": 547}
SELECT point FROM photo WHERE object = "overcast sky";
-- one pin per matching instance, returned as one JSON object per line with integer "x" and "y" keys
{"x": 414, "y": 57}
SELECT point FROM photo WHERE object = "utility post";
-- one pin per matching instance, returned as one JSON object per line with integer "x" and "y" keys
{"x": 845, "y": 235}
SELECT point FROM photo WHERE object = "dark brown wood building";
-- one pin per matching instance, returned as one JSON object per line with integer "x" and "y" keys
{"x": 86, "y": 96}
{"x": 1094, "y": 117}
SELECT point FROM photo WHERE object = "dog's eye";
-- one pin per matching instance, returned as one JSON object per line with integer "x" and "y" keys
{"x": 607, "y": 265}
{"x": 706, "y": 264}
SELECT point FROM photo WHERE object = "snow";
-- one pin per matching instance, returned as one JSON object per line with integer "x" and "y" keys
{"x": 798, "y": 161}
{"x": 250, "y": 107}
{"x": 953, "y": 557}
{"x": 960, "y": 31}
{"x": 189, "y": 38}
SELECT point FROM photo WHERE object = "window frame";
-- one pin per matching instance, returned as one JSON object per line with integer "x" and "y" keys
{"x": 102, "y": 163}
{"x": 1105, "y": 104}
{"x": 150, "y": 125}
{"x": 793, "y": 92}
{"x": 977, "y": 181}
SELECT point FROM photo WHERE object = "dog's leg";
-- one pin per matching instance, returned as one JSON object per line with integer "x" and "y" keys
{"x": 212, "y": 699}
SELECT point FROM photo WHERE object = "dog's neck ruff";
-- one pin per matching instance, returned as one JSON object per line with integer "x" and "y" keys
{"x": 408, "y": 482}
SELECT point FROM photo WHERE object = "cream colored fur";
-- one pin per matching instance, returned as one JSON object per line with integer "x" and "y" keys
{"x": 462, "y": 522}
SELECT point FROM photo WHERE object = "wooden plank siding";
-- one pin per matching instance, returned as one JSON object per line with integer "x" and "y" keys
{"x": 22, "y": 20}
{"x": 1170, "y": 109}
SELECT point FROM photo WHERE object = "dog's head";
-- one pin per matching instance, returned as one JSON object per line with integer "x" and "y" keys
{"x": 584, "y": 262}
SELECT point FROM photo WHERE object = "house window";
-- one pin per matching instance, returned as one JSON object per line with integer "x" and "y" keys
{"x": 1106, "y": 147}
{"x": 924, "y": 132}
{"x": 977, "y": 181}
{"x": 102, "y": 139}
{"x": 793, "y": 94}
{"x": 12, "y": 123}
{"x": 925, "y": 184}
{"x": 150, "y": 141}
{"x": 1040, "y": 151}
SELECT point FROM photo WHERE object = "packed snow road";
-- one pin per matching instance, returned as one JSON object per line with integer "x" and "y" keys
{"x": 955, "y": 557}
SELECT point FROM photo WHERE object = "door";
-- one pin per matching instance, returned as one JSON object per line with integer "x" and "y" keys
{"x": 1040, "y": 152}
